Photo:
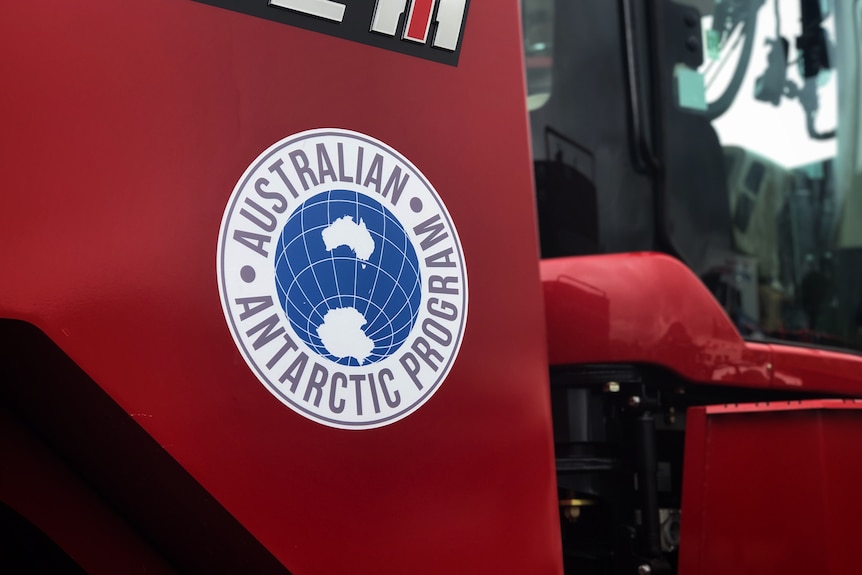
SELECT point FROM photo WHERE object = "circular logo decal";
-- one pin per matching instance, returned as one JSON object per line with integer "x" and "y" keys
{"x": 342, "y": 278}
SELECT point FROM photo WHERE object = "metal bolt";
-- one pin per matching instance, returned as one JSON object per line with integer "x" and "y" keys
{"x": 612, "y": 387}
{"x": 572, "y": 513}
{"x": 644, "y": 569}
{"x": 692, "y": 43}
{"x": 671, "y": 415}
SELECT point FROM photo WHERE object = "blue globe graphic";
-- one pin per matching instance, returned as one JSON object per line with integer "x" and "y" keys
{"x": 311, "y": 280}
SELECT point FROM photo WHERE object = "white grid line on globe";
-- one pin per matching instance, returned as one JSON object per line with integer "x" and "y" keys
{"x": 303, "y": 235}
{"x": 351, "y": 202}
{"x": 335, "y": 296}
{"x": 283, "y": 254}
{"x": 390, "y": 346}
{"x": 289, "y": 301}
{"x": 400, "y": 273}
{"x": 299, "y": 330}
{"x": 397, "y": 285}
{"x": 383, "y": 239}
{"x": 305, "y": 244}
{"x": 356, "y": 259}
{"x": 290, "y": 269}
{"x": 387, "y": 349}
{"x": 288, "y": 290}
{"x": 386, "y": 240}
{"x": 367, "y": 262}
{"x": 413, "y": 313}
{"x": 377, "y": 275}
{"x": 403, "y": 251}
{"x": 379, "y": 269}
{"x": 311, "y": 336}
{"x": 307, "y": 318}
{"x": 334, "y": 271}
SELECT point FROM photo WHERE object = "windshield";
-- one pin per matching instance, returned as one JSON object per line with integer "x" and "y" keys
{"x": 733, "y": 123}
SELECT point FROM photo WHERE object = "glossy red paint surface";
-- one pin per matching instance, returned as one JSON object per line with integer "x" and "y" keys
{"x": 773, "y": 488}
{"x": 645, "y": 308}
{"x": 650, "y": 308}
{"x": 125, "y": 128}
{"x": 817, "y": 370}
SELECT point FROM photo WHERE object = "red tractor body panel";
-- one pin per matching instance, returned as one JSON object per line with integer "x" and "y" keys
{"x": 644, "y": 308}
{"x": 772, "y": 488}
{"x": 649, "y": 308}
{"x": 126, "y": 127}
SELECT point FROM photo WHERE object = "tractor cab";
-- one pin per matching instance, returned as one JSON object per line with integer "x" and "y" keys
{"x": 725, "y": 133}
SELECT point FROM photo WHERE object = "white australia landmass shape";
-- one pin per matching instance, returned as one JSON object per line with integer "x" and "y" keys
{"x": 342, "y": 335}
{"x": 345, "y": 232}
{"x": 341, "y": 330}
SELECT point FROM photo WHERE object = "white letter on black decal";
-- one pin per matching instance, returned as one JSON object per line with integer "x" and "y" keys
{"x": 320, "y": 8}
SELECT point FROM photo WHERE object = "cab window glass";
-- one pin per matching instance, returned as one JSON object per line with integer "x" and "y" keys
{"x": 780, "y": 85}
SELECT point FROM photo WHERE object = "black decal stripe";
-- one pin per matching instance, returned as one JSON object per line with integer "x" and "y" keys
{"x": 355, "y": 26}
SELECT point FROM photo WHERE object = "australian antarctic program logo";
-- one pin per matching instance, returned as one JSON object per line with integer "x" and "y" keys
{"x": 342, "y": 278}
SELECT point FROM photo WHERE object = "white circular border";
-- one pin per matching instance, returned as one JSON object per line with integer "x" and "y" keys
{"x": 230, "y": 288}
